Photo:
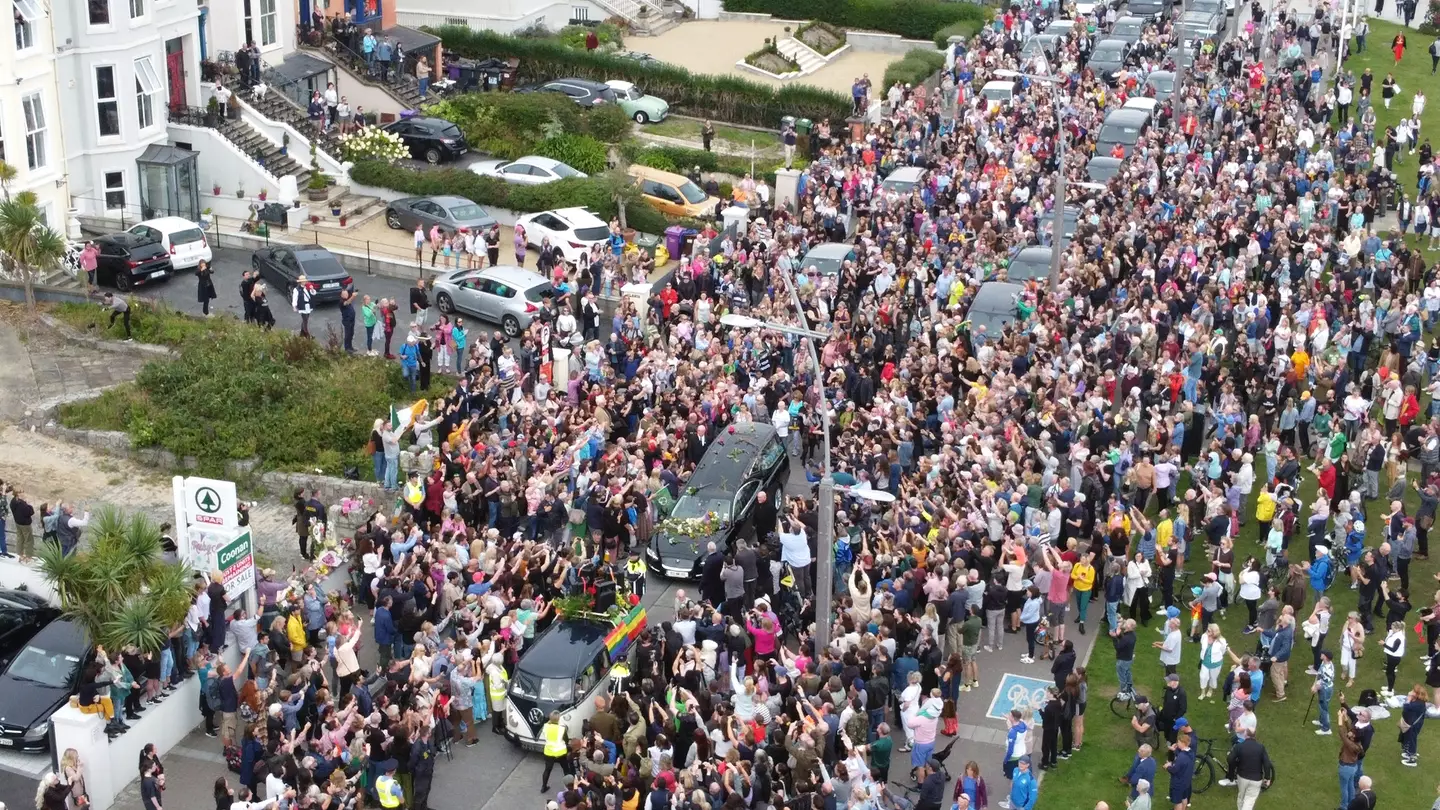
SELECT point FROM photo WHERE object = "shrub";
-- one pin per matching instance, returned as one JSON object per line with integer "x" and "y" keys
{"x": 244, "y": 393}
{"x": 573, "y": 36}
{"x": 821, "y": 37}
{"x": 684, "y": 159}
{"x": 917, "y": 66}
{"x": 581, "y": 152}
{"x": 916, "y": 19}
{"x": 373, "y": 143}
{"x": 656, "y": 159}
{"x": 964, "y": 28}
{"x": 770, "y": 59}
{"x": 607, "y": 123}
{"x": 723, "y": 98}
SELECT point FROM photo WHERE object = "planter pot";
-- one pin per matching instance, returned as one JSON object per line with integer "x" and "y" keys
{"x": 212, "y": 118}
{"x": 240, "y": 195}
{"x": 216, "y": 190}
{"x": 262, "y": 194}
{"x": 343, "y": 220}
{"x": 296, "y": 204}
{"x": 334, "y": 210}
{"x": 317, "y": 194}
{"x": 234, "y": 113}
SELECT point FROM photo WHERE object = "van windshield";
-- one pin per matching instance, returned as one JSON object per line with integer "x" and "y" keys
{"x": 550, "y": 690}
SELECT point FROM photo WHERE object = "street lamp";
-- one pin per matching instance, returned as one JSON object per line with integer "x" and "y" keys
{"x": 1059, "y": 249}
{"x": 825, "y": 543}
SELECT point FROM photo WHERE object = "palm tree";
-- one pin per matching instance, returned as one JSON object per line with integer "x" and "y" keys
{"x": 26, "y": 243}
{"x": 8, "y": 173}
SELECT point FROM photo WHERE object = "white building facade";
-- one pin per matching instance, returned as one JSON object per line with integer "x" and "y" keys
{"x": 30, "y": 125}
{"x": 270, "y": 24}
{"x": 502, "y": 16}
{"x": 119, "y": 64}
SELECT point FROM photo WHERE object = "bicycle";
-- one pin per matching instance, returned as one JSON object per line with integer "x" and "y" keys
{"x": 1206, "y": 764}
{"x": 1123, "y": 706}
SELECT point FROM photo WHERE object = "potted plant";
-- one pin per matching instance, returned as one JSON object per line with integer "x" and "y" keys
{"x": 314, "y": 219}
{"x": 240, "y": 191}
{"x": 206, "y": 218}
{"x": 216, "y": 190}
{"x": 343, "y": 219}
{"x": 285, "y": 144}
{"x": 212, "y": 112}
{"x": 235, "y": 107}
{"x": 318, "y": 189}
{"x": 263, "y": 195}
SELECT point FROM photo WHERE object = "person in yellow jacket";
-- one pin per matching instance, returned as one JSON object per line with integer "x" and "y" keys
{"x": 1265, "y": 510}
{"x": 557, "y": 749}
{"x": 387, "y": 787}
{"x": 295, "y": 633}
{"x": 497, "y": 683}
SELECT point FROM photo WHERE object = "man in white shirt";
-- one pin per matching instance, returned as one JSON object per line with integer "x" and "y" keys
{"x": 795, "y": 552}
{"x": 780, "y": 420}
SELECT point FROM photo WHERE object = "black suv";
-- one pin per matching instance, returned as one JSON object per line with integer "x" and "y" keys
{"x": 430, "y": 139}
{"x": 744, "y": 460}
{"x": 128, "y": 260}
{"x": 22, "y": 615}
{"x": 584, "y": 92}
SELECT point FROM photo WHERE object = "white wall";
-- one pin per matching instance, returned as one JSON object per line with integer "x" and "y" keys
{"x": 275, "y": 131}
{"x": 221, "y": 162}
{"x": 16, "y": 575}
{"x": 81, "y": 48}
{"x": 226, "y": 29}
{"x": 503, "y": 16}
{"x": 704, "y": 9}
{"x": 27, "y": 73}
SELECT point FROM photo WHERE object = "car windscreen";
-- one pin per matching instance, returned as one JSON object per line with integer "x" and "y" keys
{"x": 321, "y": 267}
{"x": 36, "y": 664}
{"x": 551, "y": 690}
{"x": 593, "y": 233}
{"x": 187, "y": 236}
{"x": 1119, "y": 133}
{"x": 898, "y": 185}
{"x": 561, "y": 170}
{"x": 539, "y": 292}
{"x": 1109, "y": 54}
{"x": 1162, "y": 85}
{"x": 468, "y": 212}
{"x": 450, "y": 131}
{"x": 692, "y": 193}
{"x": 698, "y": 506}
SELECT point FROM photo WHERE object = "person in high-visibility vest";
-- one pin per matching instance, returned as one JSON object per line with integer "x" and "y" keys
{"x": 635, "y": 573}
{"x": 498, "y": 683}
{"x": 387, "y": 787}
{"x": 557, "y": 749}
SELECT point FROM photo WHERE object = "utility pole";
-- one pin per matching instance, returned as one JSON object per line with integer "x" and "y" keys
{"x": 825, "y": 543}
{"x": 1057, "y": 227}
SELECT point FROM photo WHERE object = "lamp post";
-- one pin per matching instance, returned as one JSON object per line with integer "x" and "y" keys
{"x": 1057, "y": 252}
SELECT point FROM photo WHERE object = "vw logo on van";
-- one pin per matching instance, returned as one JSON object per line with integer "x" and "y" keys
{"x": 536, "y": 717}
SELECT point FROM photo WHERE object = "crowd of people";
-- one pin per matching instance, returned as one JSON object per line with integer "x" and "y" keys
{"x": 1227, "y": 380}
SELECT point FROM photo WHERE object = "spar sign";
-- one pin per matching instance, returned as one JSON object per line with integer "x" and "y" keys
{"x": 210, "y": 503}
{"x": 236, "y": 562}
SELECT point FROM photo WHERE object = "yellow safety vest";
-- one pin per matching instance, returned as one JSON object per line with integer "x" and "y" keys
{"x": 498, "y": 687}
{"x": 389, "y": 791}
{"x": 554, "y": 736}
{"x": 636, "y": 566}
{"x": 414, "y": 494}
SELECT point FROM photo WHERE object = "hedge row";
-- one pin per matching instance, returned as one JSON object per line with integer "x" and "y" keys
{"x": 512, "y": 125}
{"x": 723, "y": 98}
{"x": 964, "y": 28}
{"x": 915, "y": 19}
{"x": 681, "y": 160}
{"x": 589, "y": 192}
{"x": 917, "y": 66}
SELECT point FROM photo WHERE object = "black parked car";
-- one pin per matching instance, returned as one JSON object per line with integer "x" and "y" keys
{"x": 127, "y": 260}
{"x": 584, "y": 92}
{"x": 38, "y": 680}
{"x": 744, "y": 460}
{"x": 281, "y": 266}
{"x": 22, "y": 614}
{"x": 432, "y": 140}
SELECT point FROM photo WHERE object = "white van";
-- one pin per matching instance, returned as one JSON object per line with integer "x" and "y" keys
{"x": 183, "y": 239}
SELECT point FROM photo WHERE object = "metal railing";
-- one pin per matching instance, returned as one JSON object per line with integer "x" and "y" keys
{"x": 202, "y": 117}
{"x": 399, "y": 76}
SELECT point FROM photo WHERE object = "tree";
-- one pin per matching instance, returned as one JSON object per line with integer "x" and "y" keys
{"x": 621, "y": 189}
{"x": 119, "y": 589}
{"x": 8, "y": 173}
{"x": 27, "y": 244}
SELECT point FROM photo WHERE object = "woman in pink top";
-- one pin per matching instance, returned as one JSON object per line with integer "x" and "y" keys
{"x": 764, "y": 635}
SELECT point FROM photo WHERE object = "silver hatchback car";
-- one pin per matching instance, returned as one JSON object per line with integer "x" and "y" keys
{"x": 505, "y": 294}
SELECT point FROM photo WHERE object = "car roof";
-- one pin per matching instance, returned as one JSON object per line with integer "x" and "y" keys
{"x": 586, "y": 83}
{"x": 439, "y": 122}
{"x": 1130, "y": 19}
{"x": 168, "y": 224}
{"x": 730, "y": 456}
{"x": 619, "y": 84}
{"x": 1105, "y": 160}
{"x": 60, "y": 636}
{"x": 1126, "y": 115}
{"x": 1160, "y": 74}
{"x": 14, "y": 598}
{"x": 906, "y": 174}
{"x": 315, "y": 253}
{"x": 1109, "y": 43}
{"x": 513, "y": 275}
{"x": 830, "y": 250}
{"x": 996, "y": 297}
{"x": 578, "y": 217}
{"x": 538, "y": 160}
{"x": 126, "y": 239}
{"x": 448, "y": 200}
{"x": 564, "y": 650}
{"x": 1034, "y": 254}
{"x": 1141, "y": 103}
{"x": 1000, "y": 84}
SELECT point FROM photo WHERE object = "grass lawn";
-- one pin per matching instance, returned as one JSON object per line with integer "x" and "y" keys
{"x": 689, "y": 129}
{"x": 1413, "y": 73}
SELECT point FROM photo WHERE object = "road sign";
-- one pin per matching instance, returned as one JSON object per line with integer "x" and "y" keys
{"x": 1018, "y": 692}
{"x": 236, "y": 562}
{"x": 210, "y": 503}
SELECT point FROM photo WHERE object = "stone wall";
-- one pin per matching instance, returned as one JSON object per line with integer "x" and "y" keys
{"x": 885, "y": 43}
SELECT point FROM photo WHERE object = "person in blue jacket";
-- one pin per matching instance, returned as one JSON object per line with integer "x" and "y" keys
{"x": 1181, "y": 768}
{"x": 385, "y": 632}
{"x": 1023, "y": 788}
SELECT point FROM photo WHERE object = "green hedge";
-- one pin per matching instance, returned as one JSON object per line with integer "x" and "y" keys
{"x": 964, "y": 28}
{"x": 576, "y": 151}
{"x": 917, "y": 66}
{"x": 681, "y": 159}
{"x": 723, "y": 98}
{"x": 589, "y": 192}
{"x": 915, "y": 19}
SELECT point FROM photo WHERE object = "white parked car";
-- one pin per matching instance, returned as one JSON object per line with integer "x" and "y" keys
{"x": 183, "y": 239}
{"x": 531, "y": 170}
{"x": 573, "y": 229}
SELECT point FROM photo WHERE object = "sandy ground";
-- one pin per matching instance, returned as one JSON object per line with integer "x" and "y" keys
{"x": 706, "y": 46}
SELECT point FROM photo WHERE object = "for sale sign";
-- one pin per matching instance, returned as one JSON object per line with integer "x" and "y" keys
{"x": 236, "y": 561}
